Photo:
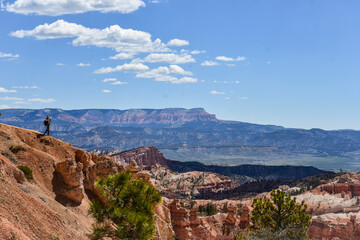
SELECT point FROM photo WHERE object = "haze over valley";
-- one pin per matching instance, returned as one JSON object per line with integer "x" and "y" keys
{"x": 195, "y": 135}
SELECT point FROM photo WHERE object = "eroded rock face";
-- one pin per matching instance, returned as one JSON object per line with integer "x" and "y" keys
{"x": 68, "y": 181}
{"x": 335, "y": 226}
{"x": 172, "y": 184}
{"x": 163, "y": 227}
{"x": 198, "y": 230}
{"x": 7, "y": 169}
{"x": 181, "y": 221}
{"x": 230, "y": 221}
{"x": 244, "y": 220}
{"x": 97, "y": 170}
{"x": 83, "y": 156}
{"x": 142, "y": 156}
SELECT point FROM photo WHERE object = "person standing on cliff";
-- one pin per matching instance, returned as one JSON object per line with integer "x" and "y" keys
{"x": 47, "y": 122}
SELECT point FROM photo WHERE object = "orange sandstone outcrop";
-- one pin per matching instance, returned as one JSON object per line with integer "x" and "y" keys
{"x": 181, "y": 222}
{"x": 142, "y": 156}
{"x": 54, "y": 205}
{"x": 335, "y": 226}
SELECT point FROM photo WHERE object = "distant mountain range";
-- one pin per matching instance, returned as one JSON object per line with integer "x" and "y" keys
{"x": 195, "y": 135}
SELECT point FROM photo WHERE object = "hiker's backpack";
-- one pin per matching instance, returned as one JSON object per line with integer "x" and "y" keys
{"x": 46, "y": 122}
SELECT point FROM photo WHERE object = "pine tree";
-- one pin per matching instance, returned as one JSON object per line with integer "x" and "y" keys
{"x": 127, "y": 210}
{"x": 279, "y": 217}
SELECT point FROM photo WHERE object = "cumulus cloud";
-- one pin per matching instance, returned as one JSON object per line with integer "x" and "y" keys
{"x": 229, "y": 59}
{"x": 119, "y": 83}
{"x": 163, "y": 74}
{"x": 110, "y": 80}
{"x": 123, "y": 56}
{"x": 27, "y": 87}
{"x": 11, "y": 99}
{"x": 61, "y": 7}
{"x": 209, "y": 63}
{"x": 9, "y": 55}
{"x": 106, "y": 91}
{"x": 169, "y": 58}
{"x": 114, "y": 37}
{"x": 4, "y": 90}
{"x": 127, "y": 67}
{"x": 216, "y": 92}
{"x": 41, "y": 100}
{"x": 197, "y": 51}
{"x": 60, "y": 64}
{"x": 177, "y": 43}
{"x": 84, "y": 64}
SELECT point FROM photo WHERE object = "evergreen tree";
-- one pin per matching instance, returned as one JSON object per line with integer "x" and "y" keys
{"x": 127, "y": 210}
{"x": 279, "y": 217}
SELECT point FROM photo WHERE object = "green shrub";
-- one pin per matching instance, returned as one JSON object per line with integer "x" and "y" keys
{"x": 210, "y": 209}
{"x": 279, "y": 217}
{"x": 16, "y": 148}
{"x": 27, "y": 171}
{"x": 128, "y": 211}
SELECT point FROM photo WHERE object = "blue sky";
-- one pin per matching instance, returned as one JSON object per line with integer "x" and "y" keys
{"x": 284, "y": 62}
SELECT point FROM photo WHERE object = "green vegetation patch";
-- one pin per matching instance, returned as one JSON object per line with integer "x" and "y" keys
{"x": 16, "y": 148}
{"x": 129, "y": 209}
{"x": 277, "y": 217}
{"x": 27, "y": 171}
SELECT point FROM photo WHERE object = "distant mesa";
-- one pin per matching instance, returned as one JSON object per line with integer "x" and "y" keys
{"x": 195, "y": 135}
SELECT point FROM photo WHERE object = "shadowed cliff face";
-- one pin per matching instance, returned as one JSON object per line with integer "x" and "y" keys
{"x": 152, "y": 156}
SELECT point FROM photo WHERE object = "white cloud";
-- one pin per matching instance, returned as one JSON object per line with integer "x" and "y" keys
{"x": 61, "y": 7}
{"x": 41, "y": 100}
{"x": 27, "y": 87}
{"x": 119, "y": 83}
{"x": 184, "y": 80}
{"x": 4, "y": 90}
{"x": 60, "y": 64}
{"x": 230, "y": 65}
{"x": 114, "y": 37}
{"x": 229, "y": 59}
{"x": 268, "y": 62}
{"x": 127, "y": 67}
{"x": 163, "y": 74}
{"x": 22, "y": 102}
{"x": 4, "y": 106}
{"x": 123, "y": 56}
{"x": 169, "y": 58}
{"x": 209, "y": 63}
{"x": 175, "y": 69}
{"x": 227, "y": 98}
{"x": 216, "y": 92}
{"x": 243, "y": 98}
{"x": 106, "y": 91}
{"x": 84, "y": 64}
{"x": 177, "y": 42}
{"x": 9, "y": 55}
{"x": 110, "y": 80}
{"x": 197, "y": 51}
{"x": 11, "y": 99}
